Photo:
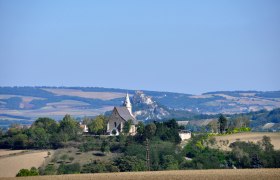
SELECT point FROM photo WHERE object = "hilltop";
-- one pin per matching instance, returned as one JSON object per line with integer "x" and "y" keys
{"x": 25, "y": 104}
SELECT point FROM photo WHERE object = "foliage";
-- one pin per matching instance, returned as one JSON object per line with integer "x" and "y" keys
{"x": 127, "y": 126}
{"x": 99, "y": 167}
{"x": 25, "y": 172}
{"x": 222, "y": 124}
{"x": 69, "y": 168}
{"x": 105, "y": 146}
{"x": 69, "y": 126}
{"x": 130, "y": 163}
{"x": 98, "y": 125}
{"x": 150, "y": 130}
{"x": 49, "y": 170}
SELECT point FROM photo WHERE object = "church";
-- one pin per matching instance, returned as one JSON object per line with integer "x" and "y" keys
{"x": 119, "y": 116}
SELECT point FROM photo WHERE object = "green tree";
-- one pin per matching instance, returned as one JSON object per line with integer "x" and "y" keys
{"x": 50, "y": 125}
{"x": 20, "y": 141}
{"x": 39, "y": 138}
{"x": 140, "y": 128}
{"x": 266, "y": 144}
{"x": 49, "y": 170}
{"x": 169, "y": 162}
{"x": 222, "y": 123}
{"x": 69, "y": 126}
{"x": 150, "y": 130}
{"x": 127, "y": 126}
{"x": 98, "y": 125}
{"x": 105, "y": 146}
{"x": 130, "y": 163}
{"x": 69, "y": 168}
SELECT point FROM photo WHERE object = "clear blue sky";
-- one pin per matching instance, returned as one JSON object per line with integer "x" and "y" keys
{"x": 181, "y": 46}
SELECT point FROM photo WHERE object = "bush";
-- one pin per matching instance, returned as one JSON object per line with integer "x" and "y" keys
{"x": 25, "y": 172}
{"x": 69, "y": 169}
{"x": 98, "y": 167}
{"x": 49, "y": 170}
{"x": 130, "y": 163}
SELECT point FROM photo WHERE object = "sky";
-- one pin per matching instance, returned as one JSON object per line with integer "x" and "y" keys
{"x": 177, "y": 45}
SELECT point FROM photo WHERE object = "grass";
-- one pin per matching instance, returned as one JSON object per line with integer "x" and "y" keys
{"x": 222, "y": 174}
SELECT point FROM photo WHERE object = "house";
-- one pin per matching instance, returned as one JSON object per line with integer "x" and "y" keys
{"x": 119, "y": 116}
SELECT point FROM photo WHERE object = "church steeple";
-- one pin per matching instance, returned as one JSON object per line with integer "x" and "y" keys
{"x": 127, "y": 103}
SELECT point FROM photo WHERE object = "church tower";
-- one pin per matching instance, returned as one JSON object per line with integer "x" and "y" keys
{"x": 127, "y": 104}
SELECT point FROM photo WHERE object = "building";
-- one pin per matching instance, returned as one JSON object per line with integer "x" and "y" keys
{"x": 119, "y": 116}
{"x": 84, "y": 127}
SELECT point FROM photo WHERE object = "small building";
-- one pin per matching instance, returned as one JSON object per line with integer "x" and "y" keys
{"x": 84, "y": 127}
{"x": 185, "y": 135}
{"x": 119, "y": 116}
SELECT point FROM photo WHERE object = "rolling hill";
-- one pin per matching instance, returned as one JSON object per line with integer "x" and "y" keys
{"x": 24, "y": 104}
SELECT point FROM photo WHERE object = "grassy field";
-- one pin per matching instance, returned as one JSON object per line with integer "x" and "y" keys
{"x": 224, "y": 141}
{"x": 10, "y": 165}
{"x": 73, "y": 155}
{"x": 228, "y": 174}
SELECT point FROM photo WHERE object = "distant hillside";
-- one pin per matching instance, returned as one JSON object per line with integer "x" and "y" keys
{"x": 29, "y": 103}
{"x": 262, "y": 120}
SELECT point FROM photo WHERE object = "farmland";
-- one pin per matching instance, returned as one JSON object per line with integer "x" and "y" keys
{"x": 12, "y": 161}
{"x": 249, "y": 136}
{"x": 185, "y": 174}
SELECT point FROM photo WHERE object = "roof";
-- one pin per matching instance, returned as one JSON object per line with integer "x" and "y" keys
{"x": 125, "y": 114}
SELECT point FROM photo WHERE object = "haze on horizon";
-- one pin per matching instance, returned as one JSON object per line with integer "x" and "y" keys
{"x": 177, "y": 46}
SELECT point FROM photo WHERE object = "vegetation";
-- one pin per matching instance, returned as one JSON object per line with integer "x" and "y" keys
{"x": 160, "y": 140}
{"x": 44, "y": 133}
{"x": 25, "y": 172}
{"x": 243, "y": 154}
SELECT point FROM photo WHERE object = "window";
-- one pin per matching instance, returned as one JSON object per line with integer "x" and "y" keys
{"x": 115, "y": 124}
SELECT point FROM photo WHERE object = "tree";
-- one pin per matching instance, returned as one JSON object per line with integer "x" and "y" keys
{"x": 69, "y": 168}
{"x": 130, "y": 163}
{"x": 150, "y": 130}
{"x": 98, "y": 125}
{"x": 105, "y": 146}
{"x": 266, "y": 143}
{"x": 48, "y": 124}
{"x": 69, "y": 126}
{"x": 20, "y": 141}
{"x": 213, "y": 125}
{"x": 241, "y": 121}
{"x": 39, "y": 137}
{"x": 169, "y": 162}
{"x": 140, "y": 128}
{"x": 223, "y": 123}
{"x": 127, "y": 126}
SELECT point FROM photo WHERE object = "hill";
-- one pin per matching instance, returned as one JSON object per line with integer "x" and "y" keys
{"x": 25, "y": 104}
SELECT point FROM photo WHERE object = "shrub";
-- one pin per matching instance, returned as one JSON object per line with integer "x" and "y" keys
{"x": 25, "y": 172}
{"x": 69, "y": 169}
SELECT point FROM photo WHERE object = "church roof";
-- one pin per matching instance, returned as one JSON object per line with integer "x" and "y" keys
{"x": 125, "y": 114}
